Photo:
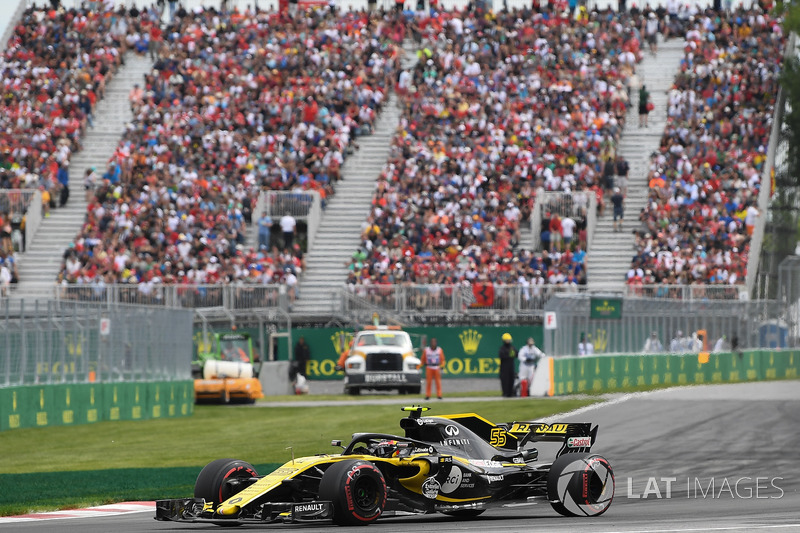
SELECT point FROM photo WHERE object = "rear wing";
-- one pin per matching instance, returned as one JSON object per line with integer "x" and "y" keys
{"x": 576, "y": 437}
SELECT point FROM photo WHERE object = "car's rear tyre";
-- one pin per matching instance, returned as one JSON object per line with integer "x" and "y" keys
{"x": 357, "y": 490}
{"x": 221, "y": 479}
{"x": 580, "y": 484}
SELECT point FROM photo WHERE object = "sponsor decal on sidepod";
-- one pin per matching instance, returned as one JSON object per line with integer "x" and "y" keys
{"x": 430, "y": 489}
{"x": 453, "y": 481}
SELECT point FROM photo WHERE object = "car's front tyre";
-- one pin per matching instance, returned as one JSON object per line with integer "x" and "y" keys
{"x": 223, "y": 478}
{"x": 580, "y": 484}
{"x": 357, "y": 490}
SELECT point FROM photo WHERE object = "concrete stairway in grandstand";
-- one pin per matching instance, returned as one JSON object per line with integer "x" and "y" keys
{"x": 40, "y": 263}
{"x": 339, "y": 233}
{"x": 610, "y": 253}
{"x": 525, "y": 237}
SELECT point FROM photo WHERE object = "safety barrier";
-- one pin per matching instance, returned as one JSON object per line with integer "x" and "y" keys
{"x": 86, "y": 403}
{"x": 470, "y": 351}
{"x": 613, "y": 372}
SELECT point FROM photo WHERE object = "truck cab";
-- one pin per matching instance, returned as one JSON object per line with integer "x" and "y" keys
{"x": 382, "y": 358}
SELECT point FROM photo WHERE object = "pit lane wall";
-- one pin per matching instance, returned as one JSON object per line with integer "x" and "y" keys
{"x": 86, "y": 403}
{"x": 602, "y": 373}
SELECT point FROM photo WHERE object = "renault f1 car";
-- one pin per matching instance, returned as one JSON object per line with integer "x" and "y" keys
{"x": 458, "y": 464}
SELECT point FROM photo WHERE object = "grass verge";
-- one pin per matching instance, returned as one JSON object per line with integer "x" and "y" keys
{"x": 77, "y": 466}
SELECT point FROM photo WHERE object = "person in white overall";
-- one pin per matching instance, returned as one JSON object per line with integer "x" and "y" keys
{"x": 529, "y": 356}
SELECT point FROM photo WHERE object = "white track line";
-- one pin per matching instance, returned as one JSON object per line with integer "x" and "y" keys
{"x": 497, "y": 526}
{"x": 90, "y": 512}
{"x": 688, "y": 530}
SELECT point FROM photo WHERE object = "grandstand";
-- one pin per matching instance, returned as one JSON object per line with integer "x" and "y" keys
{"x": 435, "y": 177}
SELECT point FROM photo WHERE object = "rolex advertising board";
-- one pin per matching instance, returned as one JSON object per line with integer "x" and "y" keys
{"x": 469, "y": 351}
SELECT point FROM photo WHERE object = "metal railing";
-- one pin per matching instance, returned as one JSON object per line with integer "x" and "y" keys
{"x": 189, "y": 5}
{"x": 687, "y": 292}
{"x": 12, "y": 22}
{"x": 305, "y": 205}
{"x": 571, "y": 204}
{"x": 577, "y": 204}
{"x": 231, "y": 297}
{"x": 591, "y": 221}
{"x": 402, "y": 302}
{"x": 536, "y": 219}
{"x": 24, "y": 202}
{"x": 409, "y": 302}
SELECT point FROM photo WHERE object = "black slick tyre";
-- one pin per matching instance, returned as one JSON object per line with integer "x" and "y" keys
{"x": 580, "y": 484}
{"x": 357, "y": 490}
{"x": 223, "y": 478}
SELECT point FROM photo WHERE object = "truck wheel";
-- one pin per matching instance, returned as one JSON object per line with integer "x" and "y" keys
{"x": 357, "y": 490}
{"x": 223, "y": 478}
{"x": 580, "y": 484}
{"x": 353, "y": 391}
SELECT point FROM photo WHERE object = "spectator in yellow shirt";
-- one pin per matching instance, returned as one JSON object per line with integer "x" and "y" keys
{"x": 45, "y": 202}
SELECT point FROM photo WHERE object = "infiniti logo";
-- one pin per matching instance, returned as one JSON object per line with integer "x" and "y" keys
{"x": 451, "y": 431}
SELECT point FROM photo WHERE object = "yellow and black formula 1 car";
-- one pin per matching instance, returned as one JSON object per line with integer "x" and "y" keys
{"x": 454, "y": 464}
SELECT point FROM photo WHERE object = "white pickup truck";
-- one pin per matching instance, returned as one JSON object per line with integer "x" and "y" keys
{"x": 382, "y": 358}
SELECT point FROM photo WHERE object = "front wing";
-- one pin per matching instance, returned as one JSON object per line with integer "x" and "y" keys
{"x": 197, "y": 510}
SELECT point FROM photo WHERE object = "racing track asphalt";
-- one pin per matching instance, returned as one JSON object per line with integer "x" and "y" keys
{"x": 724, "y": 433}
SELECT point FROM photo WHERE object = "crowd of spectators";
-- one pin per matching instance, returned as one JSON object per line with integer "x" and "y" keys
{"x": 237, "y": 102}
{"x": 497, "y": 106}
{"x": 55, "y": 66}
{"x": 705, "y": 179}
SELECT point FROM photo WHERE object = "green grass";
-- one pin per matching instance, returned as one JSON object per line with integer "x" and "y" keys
{"x": 65, "y": 467}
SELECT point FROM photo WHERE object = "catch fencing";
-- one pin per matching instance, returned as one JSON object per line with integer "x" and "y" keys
{"x": 612, "y": 324}
{"x": 51, "y": 342}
